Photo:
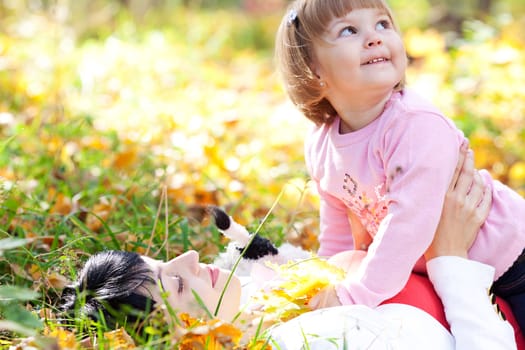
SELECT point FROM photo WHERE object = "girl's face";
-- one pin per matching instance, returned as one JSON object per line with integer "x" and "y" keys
{"x": 184, "y": 274}
{"x": 359, "y": 53}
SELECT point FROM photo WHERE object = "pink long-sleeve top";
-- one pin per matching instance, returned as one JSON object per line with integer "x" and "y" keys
{"x": 393, "y": 175}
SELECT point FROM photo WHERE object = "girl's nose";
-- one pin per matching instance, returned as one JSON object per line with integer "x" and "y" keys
{"x": 372, "y": 38}
{"x": 375, "y": 41}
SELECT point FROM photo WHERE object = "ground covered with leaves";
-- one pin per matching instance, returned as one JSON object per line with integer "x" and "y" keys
{"x": 119, "y": 138}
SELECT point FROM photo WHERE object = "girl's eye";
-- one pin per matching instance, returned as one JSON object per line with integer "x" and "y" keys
{"x": 347, "y": 31}
{"x": 383, "y": 24}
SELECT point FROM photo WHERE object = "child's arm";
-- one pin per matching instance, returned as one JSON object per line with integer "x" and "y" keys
{"x": 419, "y": 155}
{"x": 336, "y": 233}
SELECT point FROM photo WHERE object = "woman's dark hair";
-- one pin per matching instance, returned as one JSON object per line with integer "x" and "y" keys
{"x": 112, "y": 284}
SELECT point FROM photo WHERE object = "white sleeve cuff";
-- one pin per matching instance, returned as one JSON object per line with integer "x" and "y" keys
{"x": 463, "y": 287}
{"x": 446, "y": 271}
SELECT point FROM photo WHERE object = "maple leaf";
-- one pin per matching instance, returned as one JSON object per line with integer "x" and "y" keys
{"x": 65, "y": 339}
{"x": 208, "y": 334}
{"x": 119, "y": 339}
{"x": 288, "y": 295}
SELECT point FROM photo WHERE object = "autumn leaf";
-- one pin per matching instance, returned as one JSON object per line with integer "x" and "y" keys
{"x": 211, "y": 334}
{"x": 56, "y": 281}
{"x": 34, "y": 271}
{"x": 119, "y": 339}
{"x": 125, "y": 159}
{"x": 62, "y": 205}
{"x": 65, "y": 339}
{"x": 288, "y": 295}
{"x": 99, "y": 213}
{"x": 423, "y": 43}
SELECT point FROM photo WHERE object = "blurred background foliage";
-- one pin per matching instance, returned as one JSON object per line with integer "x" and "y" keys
{"x": 120, "y": 120}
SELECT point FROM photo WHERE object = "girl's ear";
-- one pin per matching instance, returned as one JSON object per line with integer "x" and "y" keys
{"x": 317, "y": 72}
{"x": 314, "y": 67}
{"x": 313, "y": 64}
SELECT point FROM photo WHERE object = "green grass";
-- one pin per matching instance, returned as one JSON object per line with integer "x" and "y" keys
{"x": 118, "y": 135}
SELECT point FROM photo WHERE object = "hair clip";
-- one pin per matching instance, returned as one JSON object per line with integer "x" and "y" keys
{"x": 292, "y": 17}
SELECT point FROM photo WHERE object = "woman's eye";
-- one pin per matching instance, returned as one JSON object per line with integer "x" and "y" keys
{"x": 384, "y": 24}
{"x": 347, "y": 31}
{"x": 180, "y": 284}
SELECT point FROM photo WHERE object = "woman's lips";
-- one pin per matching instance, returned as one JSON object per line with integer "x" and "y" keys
{"x": 214, "y": 274}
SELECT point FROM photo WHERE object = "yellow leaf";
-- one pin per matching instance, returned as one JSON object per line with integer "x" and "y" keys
{"x": 62, "y": 205}
{"x": 66, "y": 339}
{"x": 56, "y": 281}
{"x": 7, "y": 174}
{"x": 208, "y": 334}
{"x": 517, "y": 174}
{"x": 102, "y": 211}
{"x": 119, "y": 339}
{"x": 95, "y": 142}
{"x": 298, "y": 282}
{"x": 34, "y": 271}
{"x": 421, "y": 44}
{"x": 125, "y": 159}
{"x": 261, "y": 344}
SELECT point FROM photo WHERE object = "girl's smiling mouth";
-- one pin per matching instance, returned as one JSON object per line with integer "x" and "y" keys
{"x": 376, "y": 60}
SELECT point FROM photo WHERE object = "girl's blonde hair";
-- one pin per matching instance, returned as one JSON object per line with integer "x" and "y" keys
{"x": 302, "y": 26}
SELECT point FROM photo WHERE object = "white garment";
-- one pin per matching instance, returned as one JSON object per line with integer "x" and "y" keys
{"x": 463, "y": 288}
{"x": 462, "y": 285}
{"x": 353, "y": 327}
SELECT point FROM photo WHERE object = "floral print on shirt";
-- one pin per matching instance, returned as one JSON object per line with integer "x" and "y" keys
{"x": 371, "y": 209}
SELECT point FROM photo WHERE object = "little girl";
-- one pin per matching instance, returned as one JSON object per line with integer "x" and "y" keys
{"x": 381, "y": 156}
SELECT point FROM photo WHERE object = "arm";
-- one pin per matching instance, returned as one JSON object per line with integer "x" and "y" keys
{"x": 419, "y": 155}
{"x": 425, "y": 149}
{"x": 336, "y": 233}
{"x": 463, "y": 284}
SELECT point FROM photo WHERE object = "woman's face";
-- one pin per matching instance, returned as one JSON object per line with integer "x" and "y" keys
{"x": 183, "y": 276}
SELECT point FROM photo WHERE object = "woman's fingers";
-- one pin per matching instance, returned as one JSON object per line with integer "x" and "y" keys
{"x": 465, "y": 209}
{"x": 476, "y": 192}
{"x": 484, "y": 206}
{"x": 461, "y": 159}
{"x": 466, "y": 178}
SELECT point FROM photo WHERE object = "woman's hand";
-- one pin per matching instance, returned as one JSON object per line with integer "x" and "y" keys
{"x": 467, "y": 204}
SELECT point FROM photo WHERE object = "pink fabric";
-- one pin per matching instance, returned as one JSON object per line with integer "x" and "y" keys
{"x": 393, "y": 175}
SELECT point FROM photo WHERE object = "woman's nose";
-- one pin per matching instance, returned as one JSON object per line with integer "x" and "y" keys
{"x": 186, "y": 261}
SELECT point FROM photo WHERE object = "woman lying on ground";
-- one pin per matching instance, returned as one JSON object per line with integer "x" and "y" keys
{"x": 113, "y": 279}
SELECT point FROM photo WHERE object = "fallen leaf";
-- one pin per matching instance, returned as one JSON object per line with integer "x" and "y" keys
{"x": 119, "y": 339}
